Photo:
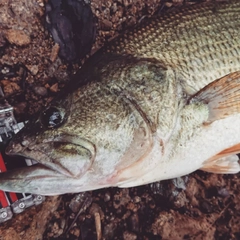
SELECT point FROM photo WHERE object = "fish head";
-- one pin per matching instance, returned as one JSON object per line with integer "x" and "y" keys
{"x": 90, "y": 138}
{"x": 60, "y": 154}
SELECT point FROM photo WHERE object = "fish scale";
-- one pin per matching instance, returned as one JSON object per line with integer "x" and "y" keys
{"x": 200, "y": 43}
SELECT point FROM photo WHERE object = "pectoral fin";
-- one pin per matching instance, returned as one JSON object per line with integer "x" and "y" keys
{"x": 222, "y": 97}
{"x": 224, "y": 162}
{"x": 223, "y": 100}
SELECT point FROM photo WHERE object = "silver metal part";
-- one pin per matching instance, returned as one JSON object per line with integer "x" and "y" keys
{"x": 28, "y": 201}
{"x": 5, "y": 214}
{"x": 38, "y": 199}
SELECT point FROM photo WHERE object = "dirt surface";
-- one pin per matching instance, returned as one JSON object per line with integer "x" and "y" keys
{"x": 199, "y": 206}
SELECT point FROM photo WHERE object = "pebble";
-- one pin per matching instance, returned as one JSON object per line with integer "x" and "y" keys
{"x": 80, "y": 202}
{"x": 75, "y": 231}
{"x": 109, "y": 230}
{"x": 129, "y": 236}
{"x": 54, "y": 88}
{"x": 40, "y": 91}
{"x": 137, "y": 199}
{"x": 95, "y": 208}
{"x": 76, "y": 203}
{"x": 33, "y": 69}
{"x": 223, "y": 192}
{"x": 180, "y": 200}
{"x": 134, "y": 220}
{"x": 106, "y": 24}
{"x": 54, "y": 53}
{"x": 206, "y": 207}
{"x": 17, "y": 37}
{"x": 56, "y": 230}
{"x": 107, "y": 197}
{"x": 20, "y": 108}
{"x": 10, "y": 87}
{"x": 122, "y": 198}
{"x": 2, "y": 40}
{"x": 180, "y": 182}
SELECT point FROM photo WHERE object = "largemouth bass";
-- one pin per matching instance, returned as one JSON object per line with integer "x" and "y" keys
{"x": 156, "y": 103}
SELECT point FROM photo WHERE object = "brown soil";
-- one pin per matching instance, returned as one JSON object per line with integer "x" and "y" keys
{"x": 200, "y": 206}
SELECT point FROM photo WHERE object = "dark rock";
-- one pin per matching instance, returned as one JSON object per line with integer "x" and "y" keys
{"x": 223, "y": 192}
{"x": 109, "y": 230}
{"x": 78, "y": 202}
{"x": 2, "y": 40}
{"x": 72, "y": 26}
{"x": 134, "y": 223}
{"x": 206, "y": 207}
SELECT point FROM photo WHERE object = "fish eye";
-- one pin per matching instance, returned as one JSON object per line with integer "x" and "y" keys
{"x": 52, "y": 117}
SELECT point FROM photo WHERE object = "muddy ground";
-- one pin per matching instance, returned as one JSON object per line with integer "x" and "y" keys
{"x": 199, "y": 206}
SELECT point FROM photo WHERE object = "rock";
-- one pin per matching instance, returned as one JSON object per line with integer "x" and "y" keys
{"x": 20, "y": 108}
{"x": 129, "y": 236}
{"x": 54, "y": 53}
{"x": 17, "y": 37}
{"x": 134, "y": 222}
{"x": 106, "y": 24}
{"x": 107, "y": 197}
{"x": 72, "y": 26}
{"x": 75, "y": 231}
{"x": 41, "y": 91}
{"x": 10, "y": 87}
{"x": 2, "y": 40}
{"x": 109, "y": 230}
{"x": 33, "y": 69}
{"x": 80, "y": 202}
{"x": 54, "y": 88}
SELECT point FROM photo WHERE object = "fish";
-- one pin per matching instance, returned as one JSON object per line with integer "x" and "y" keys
{"x": 158, "y": 102}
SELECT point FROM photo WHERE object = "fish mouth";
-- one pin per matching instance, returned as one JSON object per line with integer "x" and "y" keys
{"x": 61, "y": 164}
{"x": 68, "y": 155}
